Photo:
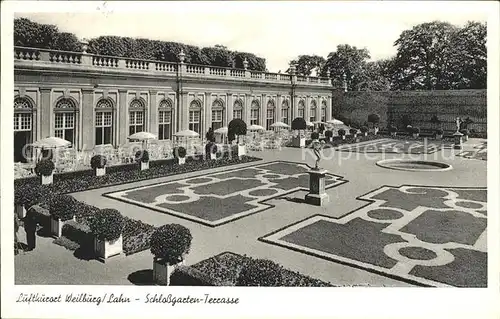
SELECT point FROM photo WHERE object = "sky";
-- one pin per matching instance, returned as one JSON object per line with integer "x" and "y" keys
{"x": 276, "y": 31}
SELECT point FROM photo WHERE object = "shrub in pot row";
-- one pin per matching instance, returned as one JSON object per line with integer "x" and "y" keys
{"x": 169, "y": 244}
{"x": 341, "y": 132}
{"x": 45, "y": 169}
{"x": 415, "y": 132}
{"x": 26, "y": 195}
{"x": 260, "y": 272}
{"x": 329, "y": 135}
{"x": 107, "y": 226}
{"x": 142, "y": 157}
{"x": 98, "y": 164}
{"x": 364, "y": 130}
{"x": 392, "y": 130}
{"x": 61, "y": 209}
{"x": 353, "y": 132}
{"x": 180, "y": 154}
{"x": 439, "y": 133}
{"x": 211, "y": 151}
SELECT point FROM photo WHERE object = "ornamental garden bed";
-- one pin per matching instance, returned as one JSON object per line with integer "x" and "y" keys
{"x": 121, "y": 174}
{"x": 226, "y": 270}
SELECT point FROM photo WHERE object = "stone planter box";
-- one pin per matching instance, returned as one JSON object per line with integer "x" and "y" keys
{"x": 299, "y": 141}
{"x": 242, "y": 150}
{"x": 182, "y": 160}
{"x": 56, "y": 226}
{"x": 100, "y": 171}
{"x": 20, "y": 211}
{"x": 105, "y": 249}
{"x": 162, "y": 272}
{"x": 144, "y": 166}
{"x": 213, "y": 156}
{"x": 47, "y": 180}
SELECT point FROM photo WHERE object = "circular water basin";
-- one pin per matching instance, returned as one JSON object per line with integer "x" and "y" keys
{"x": 414, "y": 165}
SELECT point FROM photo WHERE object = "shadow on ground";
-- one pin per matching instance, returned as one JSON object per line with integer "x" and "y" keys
{"x": 142, "y": 277}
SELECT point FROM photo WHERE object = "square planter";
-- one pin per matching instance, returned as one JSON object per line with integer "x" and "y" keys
{"x": 213, "y": 156}
{"x": 182, "y": 160}
{"x": 47, "y": 180}
{"x": 241, "y": 150}
{"x": 56, "y": 226}
{"x": 144, "y": 166}
{"x": 105, "y": 249}
{"x": 163, "y": 271}
{"x": 100, "y": 171}
{"x": 20, "y": 211}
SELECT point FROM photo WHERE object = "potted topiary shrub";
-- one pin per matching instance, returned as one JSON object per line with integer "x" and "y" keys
{"x": 142, "y": 157}
{"x": 341, "y": 132}
{"x": 364, "y": 130}
{"x": 169, "y": 244}
{"x": 466, "y": 133}
{"x": 180, "y": 153}
{"x": 375, "y": 120}
{"x": 260, "y": 272}
{"x": 62, "y": 208}
{"x": 439, "y": 134}
{"x": 98, "y": 164}
{"x": 299, "y": 124}
{"x": 393, "y": 130}
{"x": 415, "y": 131}
{"x": 329, "y": 135}
{"x": 353, "y": 132}
{"x": 107, "y": 227}
{"x": 236, "y": 128}
{"x": 211, "y": 150}
{"x": 45, "y": 169}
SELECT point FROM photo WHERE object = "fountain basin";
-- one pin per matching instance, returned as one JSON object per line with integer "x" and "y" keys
{"x": 414, "y": 165}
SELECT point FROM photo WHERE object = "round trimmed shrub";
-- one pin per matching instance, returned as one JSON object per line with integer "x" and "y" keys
{"x": 211, "y": 148}
{"x": 439, "y": 132}
{"x": 180, "y": 152}
{"x": 341, "y": 132}
{"x": 142, "y": 156}
{"x": 44, "y": 167}
{"x": 236, "y": 127}
{"x": 353, "y": 131}
{"x": 98, "y": 161}
{"x": 63, "y": 207}
{"x": 169, "y": 243}
{"x": 299, "y": 124}
{"x": 329, "y": 134}
{"x": 364, "y": 129}
{"x": 107, "y": 224}
{"x": 374, "y": 118}
{"x": 260, "y": 272}
{"x": 315, "y": 136}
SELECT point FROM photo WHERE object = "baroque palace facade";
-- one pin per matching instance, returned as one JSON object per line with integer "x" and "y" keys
{"x": 94, "y": 100}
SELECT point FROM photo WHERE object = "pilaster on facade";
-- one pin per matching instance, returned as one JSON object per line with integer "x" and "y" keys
{"x": 153, "y": 112}
{"x": 88, "y": 119}
{"x": 45, "y": 110}
{"x": 122, "y": 116}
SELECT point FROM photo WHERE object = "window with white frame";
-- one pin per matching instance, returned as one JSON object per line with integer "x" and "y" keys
{"x": 64, "y": 120}
{"x": 165, "y": 119}
{"x": 22, "y": 122}
{"x": 269, "y": 118}
{"x": 254, "y": 113}
{"x": 217, "y": 118}
{"x": 104, "y": 122}
{"x": 312, "y": 116}
{"x": 136, "y": 116}
{"x": 301, "y": 113}
{"x": 238, "y": 109}
{"x": 284, "y": 112}
{"x": 194, "y": 121}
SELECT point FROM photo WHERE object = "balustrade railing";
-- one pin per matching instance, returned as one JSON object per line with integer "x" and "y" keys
{"x": 101, "y": 61}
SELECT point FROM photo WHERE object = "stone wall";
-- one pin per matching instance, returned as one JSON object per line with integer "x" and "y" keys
{"x": 419, "y": 106}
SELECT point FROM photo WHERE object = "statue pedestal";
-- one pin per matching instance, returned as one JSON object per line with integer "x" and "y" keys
{"x": 458, "y": 140}
{"x": 317, "y": 195}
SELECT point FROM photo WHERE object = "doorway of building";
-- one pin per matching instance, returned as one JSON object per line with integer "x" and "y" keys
{"x": 22, "y": 153}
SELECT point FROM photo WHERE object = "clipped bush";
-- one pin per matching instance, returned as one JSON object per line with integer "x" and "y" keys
{"x": 180, "y": 152}
{"x": 315, "y": 136}
{"x": 235, "y": 128}
{"x": 142, "y": 156}
{"x": 299, "y": 124}
{"x": 107, "y": 224}
{"x": 62, "y": 207}
{"x": 329, "y": 134}
{"x": 439, "y": 132}
{"x": 374, "y": 118}
{"x": 341, "y": 132}
{"x": 392, "y": 129}
{"x": 78, "y": 233}
{"x": 211, "y": 148}
{"x": 260, "y": 272}
{"x": 188, "y": 276}
{"x": 364, "y": 129}
{"x": 170, "y": 243}
{"x": 98, "y": 161}
{"x": 353, "y": 131}
{"x": 44, "y": 167}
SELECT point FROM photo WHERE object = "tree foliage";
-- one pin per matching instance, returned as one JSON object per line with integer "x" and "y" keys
{"x": 305, "y": 64}
{"x": 349, "y": 61}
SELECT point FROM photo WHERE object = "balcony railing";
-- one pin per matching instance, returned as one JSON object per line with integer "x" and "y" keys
{"x": 51, "y": 57}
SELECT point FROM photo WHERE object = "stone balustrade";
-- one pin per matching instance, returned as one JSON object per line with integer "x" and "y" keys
{"x": 45, "y": 56}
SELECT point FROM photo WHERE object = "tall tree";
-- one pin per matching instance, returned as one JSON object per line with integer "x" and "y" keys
{"x": 305, "y": 64}
{"x": 31, "y": 34}
{"x": 375, "y": 76}
{"x": 219, "y": 56}
{"x": 66, "y": 41}
{"x": 349, "y": 61}
{"x": 423, "y": 57}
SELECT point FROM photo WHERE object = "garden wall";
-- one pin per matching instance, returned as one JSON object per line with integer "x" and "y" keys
{"x": 419, "y": 106}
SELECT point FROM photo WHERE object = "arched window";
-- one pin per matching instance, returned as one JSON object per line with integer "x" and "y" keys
{"x": 217, "y": 114}
{"x": 270, "y": 114}
{"x": 165, "y": 119}
{"x": 195, "y": 116}
{"x": 301, "y": 109}
{"x": 284, "y": 111}
{"x": 238, "y": 109}
{"x": 104, "y": 122}
{"x": 23, "y": 128}
{"x": 137, "y": 110}
{"x": 254, "y": 112}
{"x": 312, "y": 115}
{"x": 323, "y": 111}
{"x": 65, "y": 120}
